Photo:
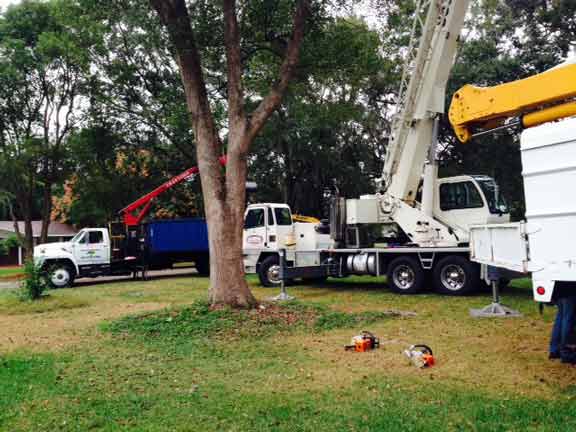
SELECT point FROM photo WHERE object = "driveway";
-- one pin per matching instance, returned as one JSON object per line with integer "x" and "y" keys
{"x": 178, "y": 272}
{"x": 153, "y": 274}
{"x": 8, "y": 284}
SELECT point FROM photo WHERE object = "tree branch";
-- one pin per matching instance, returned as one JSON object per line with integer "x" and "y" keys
{"x": 271, "y": 102}
{"x": 236, "y": 117}
{"x": 174, "y": 15}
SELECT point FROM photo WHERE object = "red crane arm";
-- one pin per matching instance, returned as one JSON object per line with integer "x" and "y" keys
{"x": 130, "y": 218}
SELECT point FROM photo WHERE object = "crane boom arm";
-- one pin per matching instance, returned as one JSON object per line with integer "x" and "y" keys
{"x": 534, "y": 100}
{"x": 130, "y": 218}
{"x": 422, "y": 93}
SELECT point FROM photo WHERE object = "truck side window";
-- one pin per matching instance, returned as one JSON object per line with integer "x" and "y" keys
{"x": 270, "y": 217}
{"x": 95, "y": 237}
{"x": 254, "y": 219}
{"x": 283, "y": 216}
{"x": 460, "y": 195}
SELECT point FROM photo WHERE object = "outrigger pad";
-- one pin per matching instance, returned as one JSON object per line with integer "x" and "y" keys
{"x": 495, "y": 310}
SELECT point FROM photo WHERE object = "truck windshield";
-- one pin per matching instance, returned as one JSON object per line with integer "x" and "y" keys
{"x": 496, "y": 202}
{"x": 283, "y": 216}
{"x": 77, "y": 237}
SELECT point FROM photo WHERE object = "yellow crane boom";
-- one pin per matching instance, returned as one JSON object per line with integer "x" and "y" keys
{"x": 305, "y": 219}
{"x": 532, "y": 101}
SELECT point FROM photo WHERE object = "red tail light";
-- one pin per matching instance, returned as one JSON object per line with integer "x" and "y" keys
{"x": 540, "y": 290}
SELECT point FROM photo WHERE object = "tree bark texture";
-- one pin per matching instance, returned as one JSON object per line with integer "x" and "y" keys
{"x": 224, "y": 193}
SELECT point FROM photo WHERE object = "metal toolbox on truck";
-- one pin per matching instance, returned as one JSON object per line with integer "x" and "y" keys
{"x": 500, "y": 245}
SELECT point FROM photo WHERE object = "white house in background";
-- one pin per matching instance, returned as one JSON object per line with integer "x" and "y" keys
{"x": 57, "y": 232}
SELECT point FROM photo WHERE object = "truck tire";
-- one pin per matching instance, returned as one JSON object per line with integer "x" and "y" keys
{"x": 406, "y": 275}
{"x": 61, "y": 275}
{"x": 203, "y": 266}
{"x": 456, "y": 275}
{"x": 269, "y": 272}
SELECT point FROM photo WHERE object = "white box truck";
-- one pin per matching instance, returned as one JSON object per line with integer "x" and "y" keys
{"x": 544, "y": 244}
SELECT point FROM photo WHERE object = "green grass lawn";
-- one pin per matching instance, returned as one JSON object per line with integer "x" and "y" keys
{"x": 150, "y": 356}
{"x": 10, "y": 272}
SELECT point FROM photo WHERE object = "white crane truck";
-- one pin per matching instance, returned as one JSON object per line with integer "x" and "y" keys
{"x": 394, "y": 232}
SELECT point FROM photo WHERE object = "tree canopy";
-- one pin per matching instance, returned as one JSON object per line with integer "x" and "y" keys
{"x": 93, "y": 88}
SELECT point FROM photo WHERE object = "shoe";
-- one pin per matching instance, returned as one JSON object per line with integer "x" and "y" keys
{"x": 553, "y": 356}
{"x": 569, "y": 357}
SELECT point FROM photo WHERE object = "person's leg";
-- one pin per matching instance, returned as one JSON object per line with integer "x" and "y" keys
{"x": 556, "y": 338}
{"x": 567, "y": 329}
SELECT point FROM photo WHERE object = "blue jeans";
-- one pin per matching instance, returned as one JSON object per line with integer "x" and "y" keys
{"x": 563, "y": 330}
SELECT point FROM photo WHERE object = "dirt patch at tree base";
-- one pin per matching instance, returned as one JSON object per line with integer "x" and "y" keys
{"x": 15, "y": 277}
{"x": 267, "y": 313}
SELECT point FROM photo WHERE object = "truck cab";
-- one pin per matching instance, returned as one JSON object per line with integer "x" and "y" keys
{"x": 467, "y": 200}
{"x": 268, "y": 228}
{"x": 88, "y": 252}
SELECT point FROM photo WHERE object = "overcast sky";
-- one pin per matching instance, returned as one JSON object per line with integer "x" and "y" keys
{"x": 363, "y": 10}
{"x": 4, "y": 3}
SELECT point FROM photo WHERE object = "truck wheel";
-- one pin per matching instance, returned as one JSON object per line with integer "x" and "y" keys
{"x": 61, "y": 275}
{"x": 203, "y": 266}
{"x": 269, "y": 272}
{"x": 456, "y": 275}
{"x": 405, "y": 275}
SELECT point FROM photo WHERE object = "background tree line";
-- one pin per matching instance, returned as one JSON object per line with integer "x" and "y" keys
{"x": 93, "y": 114}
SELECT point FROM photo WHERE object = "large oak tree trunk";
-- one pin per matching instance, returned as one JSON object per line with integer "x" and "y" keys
{"x": 224, "y": 193}
{"x": 226, "y": 248}
{"x": 228, "y": 285}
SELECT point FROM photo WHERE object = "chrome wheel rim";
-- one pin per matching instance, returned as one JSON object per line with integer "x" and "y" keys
{"x": 273, "y": 274}
{"x": 453, "y": 277}
{"x": 404, "y": 277}
{"x": 60, "y": 277}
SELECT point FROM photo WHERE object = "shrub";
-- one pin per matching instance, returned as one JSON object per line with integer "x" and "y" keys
{"x": 35, "y": 282}
{"x": 7, "y": 244}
